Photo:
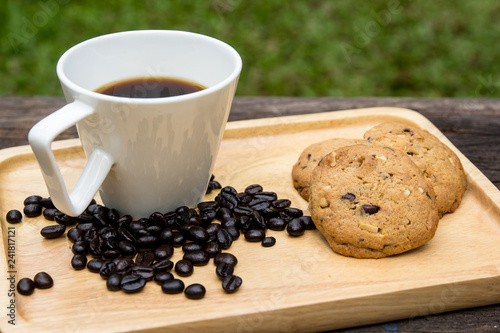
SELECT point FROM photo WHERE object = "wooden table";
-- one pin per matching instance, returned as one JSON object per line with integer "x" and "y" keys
{"x": 473, "y": 125}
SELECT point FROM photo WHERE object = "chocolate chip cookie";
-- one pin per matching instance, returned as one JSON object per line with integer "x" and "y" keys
{"x": 309, "y": 159}
{"x": 372, "y": 202}
{"x": 441, "y": 166}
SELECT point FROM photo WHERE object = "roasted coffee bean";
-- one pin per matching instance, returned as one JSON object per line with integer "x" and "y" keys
{"x": 145, "y": 258}
{"x": 244, "y": 198}
{"x": 285, "y": 217}
{"x": 215, "y": 184}
{"x": 163, "y": 265}
{"x": 113, "y": 216}
{"x": 101, "y": 210}
{"x": 228, "y": 200}
{"x": 224, "y": 239}
{"x": 95, "y": 247}
{"x": 100, "y": 220}
{"x": 212, "y": 249}
{"x": 224, "y": 213}
{"x": 208, "y": 205}
{"x": 25, "y": 286}
{"x": 198, "y": 234}
{"x": 85, "y": 227}
{"x": 14, "y": 216}
{"x": 147, "y": 272}
{"x": 64, "y": 219}
{"x": 192, "y": 247}
{"x": 293, "y": 212}
{"x": 281, "y": 204}
{"x": 224, "y": 269}
{"x": 276, "y": 224}
{"x": 50, "y": 213}
{"x": 173, "y": 286}
{"x": 178, "y": 239}
{"x": 308, "y": 222}
{"x": 135, "y": 226}
{"x": 114, "y": 282}
{"x": 32, "y": 199}
{"x": 43, "y": 280}
{"x": 123, "y": 264}
{"x": 47, "y": 203}
{"x": 268, "y": 241}
{"x": 269, "y": 213}
{"x": 92, "y": 208}
{"x": 107, "y": 269}
{"x": 197, "y": 258}
{"x": 166, "y": 236}
{"x": 226, "y": 257}
{"x": 245, "y": 223}
{"x": 125, "y": 235}
{"x": 195, "y": 291}
{"x": 184, "y": 267}
{"x": 195, "y": 220}
{"x": 184, "y": 228}
{"x": 79, "y": 261}
{"x": 230, "y": 190}
{"x": 232, "y": 222}
{"x": 124, "y": 221}
{"x": 161, "y": 277}
{"x": 269, "y": 196}
{"x": 349, "y": 196}
{"x": 75, "y": 235}
{"x": 32, "y": 210}
{"x": 258, "y": 220}
{"x": 370, "y": 209}
{"x": 126, "y": 248}
{"x": 242, "y": 211}
{"x": 259, "y": 204}
{"x": 234, "y": 232}
{"x": 212, "y": 228}
{"x": 132, "y": 283}
{"x": 164, "y": 251}
{"x": 159, "y": 219}
{"x": 231, "y": 283}
{"x": 147, "y": 242}
{"x": 295, "y": 227}
{"x": 95, "y": 264}
{"x": 253, "y": 189}
{"x": 53, "y": 231}
{"x": 207, "y": 215}
{"x": 84, "y": 218}
{"x": 255, "y": 235}
{"x": 108, "y": 232}
{"x": 80, "y": 247}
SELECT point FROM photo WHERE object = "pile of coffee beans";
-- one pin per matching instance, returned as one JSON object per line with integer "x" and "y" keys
{"x": 42, "y": 280}
{"x": 128, "y": 253}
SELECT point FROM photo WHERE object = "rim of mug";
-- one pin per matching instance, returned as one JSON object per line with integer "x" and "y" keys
{"x": 82, "y": 91}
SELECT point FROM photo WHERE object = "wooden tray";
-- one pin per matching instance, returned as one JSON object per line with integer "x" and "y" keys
{"x": 297, "y": 285}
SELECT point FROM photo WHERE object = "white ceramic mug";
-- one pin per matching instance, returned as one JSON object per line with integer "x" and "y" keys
{"x": 144, "y": 154}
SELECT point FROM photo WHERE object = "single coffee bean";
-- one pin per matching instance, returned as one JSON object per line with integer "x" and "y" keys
{"x": 161, "y": 277}
{"x": 224, "y": 213}
{"x": 276, "y": 224}
{"x": 125, "y": 235}
{"x": 285, "y": 217}
{"x": 53, "y": 231}
{"x": 124, "y": 221}
{"x": 95, "y": 264}
{"x": 163, "y": 265}
{"x": 270, "y": 213}
{"x": 244, "y": 198}
{"x": 370, "y": 209}
{"x": 229, "y": 189}
{"x": 245, "y": 223}
{"x": 207, "y": 215}
{"x": 259, "y": 204}
{"x": 173, "y": 286}
{"x": 258, "y": 220}
{"x": 132, "y": 283}
{"x": 226, "y": 257}
{"x": 178, "y": 239}
{"x": 198, "y": 234}
{"x": 349, "y": 196}
{"x": 268, "y": 241}
{"x": 293, "y": 212}
{"x": 108, "y": 232}
{"x": 188, "y": 247}
{"x": 208, "y": 205}
{"x": 234, "y": 232}
{"x": 75, "y": 235}
{"x": 126, "y": 248}
{"x": 164, "y": 251}
{"x": 308, "y": 222}
{"x": 25, "y": 286}
{"x": 107, "y": 269}
{"x": 47, "y": 203}
{"x": 32, "y": 210}
{"x": 197, "y": 258}
{"x": 32, "y": 199}
{"x": 231, "y": 283}
{"x": 43, "y": 280}
{"x": 79, "y": 261}
{"x": 64, "y": 219}
{"x": 147, "y": 272}
{"x": 224, "y": 239}
{"x": 195, "y": 291}
{"x": 242, "y": 211}
{"x": 224, "y": 269}
{"x": 255, "y": 235}
{"x": 145, "y": 258}
{"x": 269, "y": 196}
{"x": 110, "y": 254}
{"x": 232, "y": 222}
{"x": 113, "y": 283}
{"x": 147, "y": 242}
{"x": 85, "y": 227}
{"x": 80, "y": 247}
{"x": 82, "y": 218}
{"x": 212, "y": 249}
{"x": 123, "y": 264}
{"x": 184, "y": 268}
{"x": 295, "y": 227}
{"x": 14, "y": 216}
{"x": 253, "y": 189}
{"x": 281, "y": 204}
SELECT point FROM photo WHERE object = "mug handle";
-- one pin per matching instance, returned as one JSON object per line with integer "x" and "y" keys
{"x": 98, "y": 165}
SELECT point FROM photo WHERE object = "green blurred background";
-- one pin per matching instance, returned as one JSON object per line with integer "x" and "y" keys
{"x": 290, "y": 48}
